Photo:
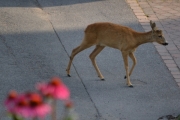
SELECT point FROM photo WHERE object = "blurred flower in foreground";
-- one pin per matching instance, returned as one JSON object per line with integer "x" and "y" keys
{"x": 31, "y": 105}
{"x": 36, "y": 108}
{"x": 28, "y": 105}
{"x": 70, "y": 114}
{"x": 10, "y": 101}
{"x": 55, "y": 89}
{"x": 69, "y": 104}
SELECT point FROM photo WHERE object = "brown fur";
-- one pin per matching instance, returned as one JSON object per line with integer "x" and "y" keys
{"x": 119, "y": 37}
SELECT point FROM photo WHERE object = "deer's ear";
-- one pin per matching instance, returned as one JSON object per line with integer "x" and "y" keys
{"x": 153, "y": 25}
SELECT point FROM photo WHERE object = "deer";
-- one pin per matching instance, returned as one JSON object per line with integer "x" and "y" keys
{"x": 116, "y": 36}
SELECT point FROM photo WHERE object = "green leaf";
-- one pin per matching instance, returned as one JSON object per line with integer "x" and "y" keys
{"x": 15, "y": 117}
{"x": 68, "y": 118}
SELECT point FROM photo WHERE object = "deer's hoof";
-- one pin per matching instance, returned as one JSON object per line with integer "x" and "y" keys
{"x": 68, "y": 75}
{"x": 125, "y": 77}
{"x": 102, "y": 79}
{"x": 131, "y": 86}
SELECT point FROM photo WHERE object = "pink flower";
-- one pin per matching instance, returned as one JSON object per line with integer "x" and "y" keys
{"x": 36, "y": 106}
{"x": 55, "y": 89}
{"x": 10, "y": 101}
{"x": 28, "y": 105}
{"x": 21, "y": 106}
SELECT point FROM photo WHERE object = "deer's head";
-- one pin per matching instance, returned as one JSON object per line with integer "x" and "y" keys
{"x": 157, "y": 35}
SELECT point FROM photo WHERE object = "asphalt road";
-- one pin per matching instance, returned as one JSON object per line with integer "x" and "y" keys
{"x": 37, "y": 37}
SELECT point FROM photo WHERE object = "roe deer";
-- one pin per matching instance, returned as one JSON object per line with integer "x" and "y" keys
{"x": 116, "y": 36}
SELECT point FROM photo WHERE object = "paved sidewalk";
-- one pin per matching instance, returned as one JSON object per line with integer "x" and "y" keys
{"x": 166, "y": 15}
{"x": 37, "y": 37}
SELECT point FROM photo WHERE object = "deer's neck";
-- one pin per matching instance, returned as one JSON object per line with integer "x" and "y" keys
{"x": 142, "y": 38}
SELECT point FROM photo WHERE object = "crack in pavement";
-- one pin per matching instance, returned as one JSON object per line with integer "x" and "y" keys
{"x": 98, "y": 116}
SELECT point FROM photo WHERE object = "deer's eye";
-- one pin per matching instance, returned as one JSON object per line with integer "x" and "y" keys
{"x": 160, "y": 36}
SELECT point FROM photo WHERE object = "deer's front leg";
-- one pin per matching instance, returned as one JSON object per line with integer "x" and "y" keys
{"x": 125, "y": 58}
{"x": 131, "y": 55}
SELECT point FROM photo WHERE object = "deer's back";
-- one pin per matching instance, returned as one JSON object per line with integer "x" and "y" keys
{"x": 110, "y": 34}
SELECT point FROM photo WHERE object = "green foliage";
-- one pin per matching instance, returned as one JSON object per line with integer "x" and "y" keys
{"x": 178, "y": 117}
{"x": 15, "y": 117}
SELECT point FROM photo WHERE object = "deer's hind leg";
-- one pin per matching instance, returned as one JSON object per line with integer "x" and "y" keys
{"x": 75, "y": 51}
{"x": 92, "y": 56}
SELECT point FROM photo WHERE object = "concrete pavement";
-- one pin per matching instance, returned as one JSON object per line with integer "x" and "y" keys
{"x": 37, "y": 38}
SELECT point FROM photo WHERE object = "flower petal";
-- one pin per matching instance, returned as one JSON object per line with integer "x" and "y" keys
{"x": 62, "y": 92}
